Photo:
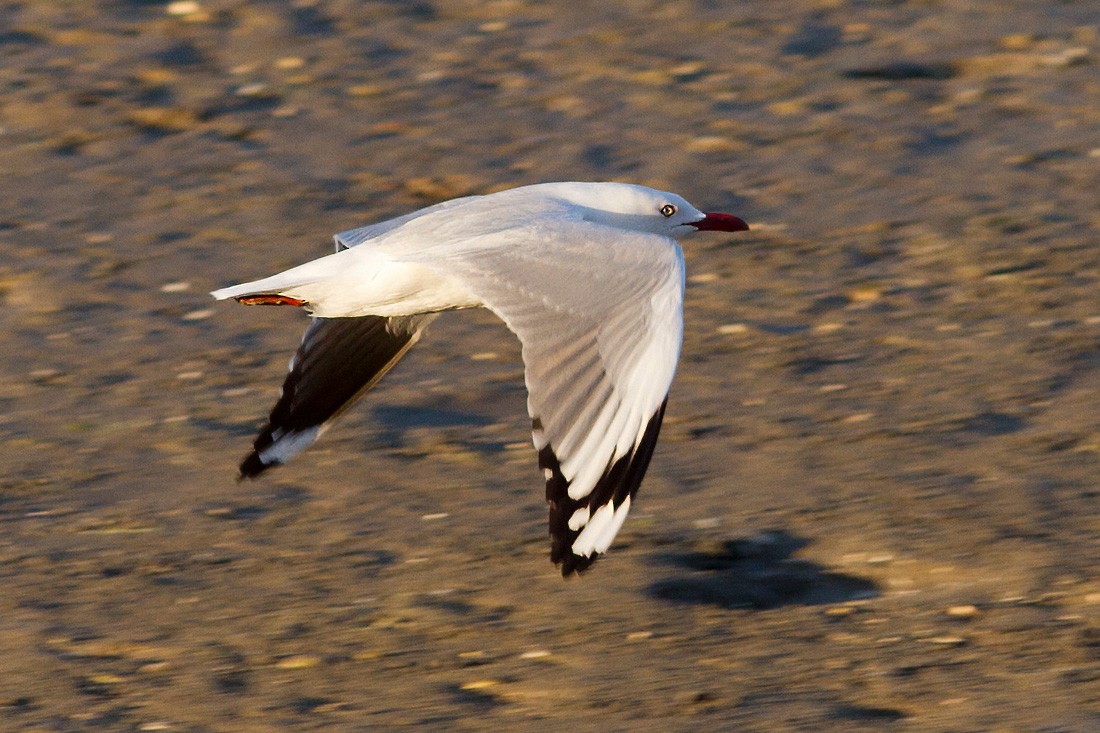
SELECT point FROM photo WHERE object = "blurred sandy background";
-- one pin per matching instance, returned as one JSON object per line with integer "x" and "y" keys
{"x": 875, "y": 502}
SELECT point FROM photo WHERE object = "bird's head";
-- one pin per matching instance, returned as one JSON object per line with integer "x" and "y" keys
{"x": 639, "y": 208}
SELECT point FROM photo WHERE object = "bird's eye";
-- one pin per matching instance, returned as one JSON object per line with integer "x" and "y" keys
{"x": 668, "y": 210}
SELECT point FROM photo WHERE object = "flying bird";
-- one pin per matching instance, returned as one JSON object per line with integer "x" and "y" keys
{"x": 589, "y": 276}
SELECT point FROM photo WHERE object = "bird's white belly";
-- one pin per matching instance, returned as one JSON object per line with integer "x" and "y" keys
{"x": 379, "y": 287}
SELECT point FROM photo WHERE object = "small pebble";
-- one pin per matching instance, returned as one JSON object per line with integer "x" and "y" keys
{"x": 480, "y": 684}
{"x": 1016, "y": 41}
{"x": 788, "y": 108}
{"x": 966, "y": 611}
{"x": 865, "y": 294}
{"x": 364, "y": 90}
{"x": 183, "y": 7}
{"x": 298, "y": 661}
{"x": 176, "y": 287}
{"x": 368, "y": 655}
{"x": 535, "y": 654}
{"x": 730, "y": 329}
{"x": 1068, "y": 57}
{"x": 946, "y": 640}
{"x": 687, "y": 69}
{"x": 163, "y": 119}
{"x": 710, "y": 144}
{"x": 106, "y": 679}
{"x": 198, "y": 315}
{"x": 252, "y": 90}
{"x": 290, "y": 62}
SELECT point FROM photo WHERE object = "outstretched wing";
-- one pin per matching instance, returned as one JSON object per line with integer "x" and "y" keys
{"x": 338, "y": 361}
{"x": 599, "y": 314}
{"x": 596, "y": 393}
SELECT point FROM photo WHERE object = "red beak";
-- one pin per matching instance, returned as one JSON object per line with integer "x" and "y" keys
{"x": 720, "y": 223}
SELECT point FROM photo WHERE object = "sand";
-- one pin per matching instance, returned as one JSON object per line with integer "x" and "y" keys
{"x": 875, "y": 501}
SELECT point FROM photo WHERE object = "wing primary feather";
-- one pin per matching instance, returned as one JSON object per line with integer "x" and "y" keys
{"x": 338, "y": 361}
{"x": 620, "y": 481}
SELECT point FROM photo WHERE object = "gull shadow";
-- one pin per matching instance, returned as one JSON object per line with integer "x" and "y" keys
{"x": 401, "y": 427}
{"x": 397, "y": 418}
{"x": 758, "y": 572}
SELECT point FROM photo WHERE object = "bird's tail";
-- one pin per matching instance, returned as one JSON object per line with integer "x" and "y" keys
{"x": 284, "y": 283}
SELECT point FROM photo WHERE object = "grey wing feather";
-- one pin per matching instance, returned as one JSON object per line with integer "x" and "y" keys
{"x": 338, "y": 361}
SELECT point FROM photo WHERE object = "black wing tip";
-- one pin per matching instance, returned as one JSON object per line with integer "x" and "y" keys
{"x": 253, "y": 466}
{"x": 575, "y": 565}
{"x": 561, "y": 554}
{"x": 619, "y": 482}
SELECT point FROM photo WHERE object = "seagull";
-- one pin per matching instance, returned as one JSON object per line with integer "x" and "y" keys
{"x": 590, "y": 278}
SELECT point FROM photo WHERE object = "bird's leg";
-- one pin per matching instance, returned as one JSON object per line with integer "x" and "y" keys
{"x": 269, "y": 300}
